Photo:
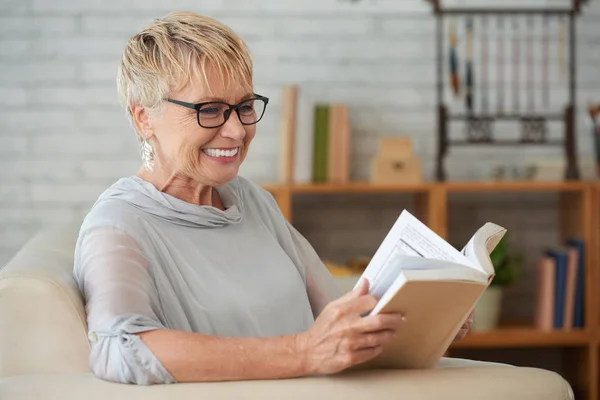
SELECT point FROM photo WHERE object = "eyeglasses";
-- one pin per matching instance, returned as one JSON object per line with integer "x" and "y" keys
{"x": 214, "y": 114}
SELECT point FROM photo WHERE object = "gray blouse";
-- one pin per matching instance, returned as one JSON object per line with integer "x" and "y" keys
{"x": 146, "y": 260}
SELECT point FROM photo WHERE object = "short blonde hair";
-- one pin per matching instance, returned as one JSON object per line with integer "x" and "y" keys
{"x": 171, "y": 51}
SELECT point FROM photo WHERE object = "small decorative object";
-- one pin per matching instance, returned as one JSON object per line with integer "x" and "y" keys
{"x": 469, "y": 73}
{"x": 395, "y": 162}
{"x": 454, "y": 74}
{"x": 507, "y": 266}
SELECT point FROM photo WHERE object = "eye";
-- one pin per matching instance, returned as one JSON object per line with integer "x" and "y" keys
{"x": 210, "y": 110}
{"x": 247, "y": 108}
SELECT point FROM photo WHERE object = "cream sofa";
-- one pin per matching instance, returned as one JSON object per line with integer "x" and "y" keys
{"x": 44, "y": 352}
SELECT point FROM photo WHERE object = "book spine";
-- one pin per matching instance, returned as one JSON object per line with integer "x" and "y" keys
{"x": 570, "y": 287}
{"x": 544, "y": 313}
{"x": 559, "y": 288}
{"x": 578, "y": 244}
{"x": 304, "y": 146}
{"x": 320, "y": 143}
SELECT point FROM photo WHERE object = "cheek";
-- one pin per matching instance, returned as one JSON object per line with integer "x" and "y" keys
{"x": 250, "y": 133}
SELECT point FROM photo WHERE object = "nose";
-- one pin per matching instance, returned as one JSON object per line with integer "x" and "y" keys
{"x": 233, "y": 128}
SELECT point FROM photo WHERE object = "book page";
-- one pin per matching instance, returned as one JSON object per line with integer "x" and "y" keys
{"x": 481, "y": 245}
{"x": 408, "y": 237}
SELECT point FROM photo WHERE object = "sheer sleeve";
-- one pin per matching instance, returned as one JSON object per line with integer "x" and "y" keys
{"x": 320, "y": 285}
{"x": 121, "y": 300}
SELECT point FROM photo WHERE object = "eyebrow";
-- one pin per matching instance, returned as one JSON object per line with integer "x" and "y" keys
{"x": 219, "y": 99}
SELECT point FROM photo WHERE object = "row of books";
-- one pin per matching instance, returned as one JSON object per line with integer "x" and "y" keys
{"x": 315, "y": 139}
{"x": 560, "y": 287}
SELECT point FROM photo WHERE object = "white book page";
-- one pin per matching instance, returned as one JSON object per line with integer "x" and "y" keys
{"x": 408, "y": 237}
{"x": 481, "y": 245}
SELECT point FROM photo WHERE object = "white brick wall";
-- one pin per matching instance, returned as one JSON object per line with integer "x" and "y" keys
{"x": 64, "y": 137}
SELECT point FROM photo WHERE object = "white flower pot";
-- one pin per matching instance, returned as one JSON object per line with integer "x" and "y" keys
{"x": 487, "y": 310}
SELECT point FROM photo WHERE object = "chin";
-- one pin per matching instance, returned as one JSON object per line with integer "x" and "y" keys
{"x": 219, "y": 178}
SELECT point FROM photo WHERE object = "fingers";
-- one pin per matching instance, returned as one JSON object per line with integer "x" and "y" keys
{"x": 379, "y": 322}
{"x": 362, "y": 355}
{"x": 362, "y": 288}
{"x": 375, "y": 339}
{"x": 357, "y": 301}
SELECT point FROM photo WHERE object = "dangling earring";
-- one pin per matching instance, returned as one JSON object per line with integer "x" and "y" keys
{"x": 147, "y": 153}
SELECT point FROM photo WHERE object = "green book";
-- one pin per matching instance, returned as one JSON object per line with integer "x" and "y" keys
{"x": 320, "y": 143}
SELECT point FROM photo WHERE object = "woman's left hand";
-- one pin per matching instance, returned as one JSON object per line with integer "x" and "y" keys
{"x": 465, "y": 328}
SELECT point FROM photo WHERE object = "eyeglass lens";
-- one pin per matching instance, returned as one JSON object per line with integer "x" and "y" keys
{"x": 213, "y": 114}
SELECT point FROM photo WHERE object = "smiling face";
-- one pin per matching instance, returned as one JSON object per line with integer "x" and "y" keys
{"x": 188, "y": 58}
{"x": 210, "y": 156}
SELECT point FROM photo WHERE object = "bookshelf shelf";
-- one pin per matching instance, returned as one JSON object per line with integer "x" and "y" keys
{"x": 579, "y": 204}
{"x": 354, "y": 187}
{"x": 523, "y": 337}
{"x": 477, "y": 186}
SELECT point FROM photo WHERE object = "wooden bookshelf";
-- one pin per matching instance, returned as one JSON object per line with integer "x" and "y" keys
{"x": 580, "y": 215}
{"x": 514, "y": 337}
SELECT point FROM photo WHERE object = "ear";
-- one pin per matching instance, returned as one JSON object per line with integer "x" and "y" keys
{"x": 141, "y": 121}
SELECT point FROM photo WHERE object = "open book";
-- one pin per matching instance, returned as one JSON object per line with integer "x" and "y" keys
{"x": 434, "y": 285}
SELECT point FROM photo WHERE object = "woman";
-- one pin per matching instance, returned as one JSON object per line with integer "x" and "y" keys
{"x": 191, "y": 273}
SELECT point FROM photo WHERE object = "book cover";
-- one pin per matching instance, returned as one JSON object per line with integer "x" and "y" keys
{"x": 321, "y": 131}
{"x": 578, "y": 244}
{"x": 561, "y": 261}
{"x": 545, "y": 283}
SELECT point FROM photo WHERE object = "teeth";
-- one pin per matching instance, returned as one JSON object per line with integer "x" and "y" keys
{"x": 221, "y": 153}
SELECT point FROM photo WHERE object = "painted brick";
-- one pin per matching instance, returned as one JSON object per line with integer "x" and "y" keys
{"x": 37, "y": 72}
{"x": 79, "y": 144}
{"x": 36, "y": 26}
{"x": 101, "y": 72}
{"x": 43, "y": 193}
{"x": 109, "y": 170}
{"x": 25, "y": 120}
{"x": 14, "y": 145}
{"x": 15, "y": 7}
{"x": 112, "y": 25}
{"x": 14, "y": 49}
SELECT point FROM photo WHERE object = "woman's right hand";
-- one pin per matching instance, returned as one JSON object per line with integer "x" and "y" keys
{"x": 341, "y": 337}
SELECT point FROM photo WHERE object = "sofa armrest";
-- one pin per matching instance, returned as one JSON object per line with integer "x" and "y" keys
{"x": 457, "y": 383}
{"x": 41, "y": 309}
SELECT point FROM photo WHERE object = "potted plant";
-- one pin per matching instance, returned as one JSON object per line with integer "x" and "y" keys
{"x": 508, "y": 268}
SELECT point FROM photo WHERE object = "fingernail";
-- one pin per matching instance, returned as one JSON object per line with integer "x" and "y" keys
{"x": 403, "y": 318}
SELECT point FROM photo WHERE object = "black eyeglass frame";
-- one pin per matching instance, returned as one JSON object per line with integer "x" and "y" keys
{"x": 226, "y": 113}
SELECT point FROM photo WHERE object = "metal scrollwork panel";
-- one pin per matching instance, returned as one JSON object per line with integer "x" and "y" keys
{"x": 480, "y": 130}
{"x": 533, "y": 130}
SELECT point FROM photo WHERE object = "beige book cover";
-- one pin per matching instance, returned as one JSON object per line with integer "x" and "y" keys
{"x": 288, "y": 132}
{"x": 338, "y": 146}
{"x": 436, "y": 286}
{"x": 544, "y": 302}
{"x": 333, "y": 144}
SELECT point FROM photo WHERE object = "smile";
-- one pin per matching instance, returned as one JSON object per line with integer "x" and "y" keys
{"x": 221, "y": 152}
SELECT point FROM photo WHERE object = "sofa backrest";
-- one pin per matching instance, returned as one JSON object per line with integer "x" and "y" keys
{"x": 42, "y": 314}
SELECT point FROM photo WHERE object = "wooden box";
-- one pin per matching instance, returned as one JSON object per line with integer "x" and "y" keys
{"x": 396, "y": 170}
{"x": 395, "y": 147}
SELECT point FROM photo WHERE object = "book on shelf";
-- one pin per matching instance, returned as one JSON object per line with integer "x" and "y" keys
{"x": 416, "y": 272}
{"x": 315, "y": 139}
{"x": 560, "y": 287}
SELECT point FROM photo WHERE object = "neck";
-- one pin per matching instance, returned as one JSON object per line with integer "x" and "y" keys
{"x": 183, "y": 188}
